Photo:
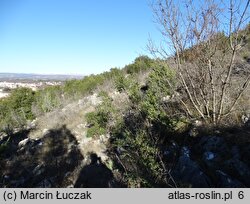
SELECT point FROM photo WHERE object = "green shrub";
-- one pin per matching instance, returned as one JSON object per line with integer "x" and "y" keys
{"x": 79, "y": 88}
{"x": 95, "y": 129}
{"x": 112, "y": 73}
{"x": 158, "y": 87}
{"x": 21, "y": 101}
{"x": 159, "y": 79}
{"x": 48, "y": 99}
{"x": 134, "y": 93}
{"x": 142, "y": 129}
{"x": 140, "y": 64}
{"x": 16, "y": 109}
{"x": 121, "y": 83}
{"x": 99, "y": 120}
{"x": 140, "y": 156}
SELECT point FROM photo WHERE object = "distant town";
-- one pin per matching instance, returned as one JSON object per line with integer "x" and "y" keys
{"x": 10, "y": 81}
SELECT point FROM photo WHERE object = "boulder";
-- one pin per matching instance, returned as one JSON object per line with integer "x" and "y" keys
{"x": 211, "y": 160}
{"x": 209, "y": 156}
{"x": 235, "y": 152}
{"x": 225, "y": 181}
{"x": 38, "y": 170}
{"x": 187, "y": 173}
{"x": 214, "y": 144}
{"x": 23, "y": 142}
{"x": 45, "y": 131}
{"x": 193, "y": 132}
{"x": 31, "y": 124}
{"x": 3, "y": 137}
{"x": 237, "y": 169}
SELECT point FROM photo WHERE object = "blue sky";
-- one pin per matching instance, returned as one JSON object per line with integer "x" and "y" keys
{"x": 72, "y": 36}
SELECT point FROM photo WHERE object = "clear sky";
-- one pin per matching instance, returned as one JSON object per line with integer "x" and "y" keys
{"x": 72, "y": 36}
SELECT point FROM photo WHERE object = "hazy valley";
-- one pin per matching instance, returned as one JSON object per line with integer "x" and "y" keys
{"x": 10, "y": 81}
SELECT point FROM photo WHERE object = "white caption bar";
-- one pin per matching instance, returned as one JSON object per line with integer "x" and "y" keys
{"x": 120, "y": 196}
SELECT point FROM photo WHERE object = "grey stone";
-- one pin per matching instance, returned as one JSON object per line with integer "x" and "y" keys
{"x": 214, "y": 144}
{"x": 187, "y": 173}
{"x": 235, "y": 152}
{"x": 38, "y": 170}
{"x": 185, "y": 151}
{"x": 31, "y": 124}
{"x": 23, "y": 142}
{"x": 45, "y": 131}
{"x": 238, "y": 169}
{"x": 225, "y": 181}
{"x": 120, "y": 150}
{"x": 245, "y": 118}
{"x": 40, "y": 143}
{"x": 193, "y": 132}
{"x": 212, "y": 161}
{"x": 6, "y": 178}
{"x": 209, "y": 156}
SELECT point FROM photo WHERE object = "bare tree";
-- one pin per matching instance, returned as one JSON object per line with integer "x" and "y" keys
{"x": 203, "y": 39}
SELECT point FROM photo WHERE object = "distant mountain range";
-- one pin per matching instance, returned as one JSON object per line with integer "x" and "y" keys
{"x": 37, "y": 77}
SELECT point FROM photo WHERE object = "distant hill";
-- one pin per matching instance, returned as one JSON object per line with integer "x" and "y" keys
{"x": 37, "y": 77}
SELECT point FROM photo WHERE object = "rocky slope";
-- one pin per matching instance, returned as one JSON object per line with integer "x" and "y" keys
{"x": 54, "y": 151}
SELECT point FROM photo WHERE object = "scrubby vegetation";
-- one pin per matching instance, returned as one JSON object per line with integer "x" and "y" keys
{"x": 99, "y": 121}
{"x": 141, "y": 64}
{"x": 166, "y": 106}
{"x": 23, "y": 104}
{"x": 16, "y": 110}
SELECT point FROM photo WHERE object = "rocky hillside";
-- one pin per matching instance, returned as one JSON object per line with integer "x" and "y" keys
{"x": 55, "y": 151}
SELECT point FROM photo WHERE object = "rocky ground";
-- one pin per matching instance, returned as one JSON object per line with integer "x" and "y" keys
{"x": 55, "y": 151}
{"x": 72, "y": 117}
{"x": 210, "y": 161}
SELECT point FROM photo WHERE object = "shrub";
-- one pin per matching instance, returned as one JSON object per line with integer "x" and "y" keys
{"x": 140, "y": 132}
{"x": 140, "y": 64}
{"x": 121, "y": 83}
{"x": 47, "y": 99}
{"x": 100, "y": 119}
{"x": 139, "y": 157}
{"x": 95, "y": 129}
{"x": 112, "y": 73}
{"x": 79, "y": 88}
{"x": 16, "y": 109}
{"x": 21, "y": 101}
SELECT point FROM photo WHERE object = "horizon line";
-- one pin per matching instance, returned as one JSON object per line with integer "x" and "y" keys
{"x": 25, "y": 73}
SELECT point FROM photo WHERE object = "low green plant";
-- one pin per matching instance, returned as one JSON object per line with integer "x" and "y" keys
{"x": 99, "y": 120}
{"x": 48, "y": 99}
{"x": 140, "y": 156}
{"x": 141, "y": 130}
{"x": 16, "y": 109}
{"x": 142, "y": 63}
{"x": 121, "y": 83}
